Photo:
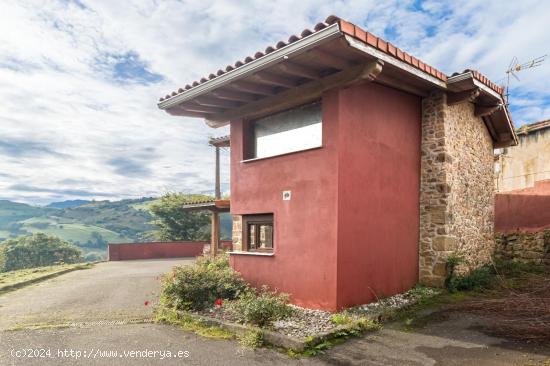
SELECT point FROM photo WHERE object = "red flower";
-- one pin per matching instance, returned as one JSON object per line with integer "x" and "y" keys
{"x": 218, "y": 302}
{"x": 146, "y": 302}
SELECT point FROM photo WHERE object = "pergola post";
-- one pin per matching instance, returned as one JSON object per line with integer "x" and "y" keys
{"x": 215, "y": 218}
{"x": 215, "y": 233}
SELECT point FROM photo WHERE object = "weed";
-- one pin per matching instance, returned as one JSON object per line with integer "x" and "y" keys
{"x": 341, "y": 319}
{"x": 252, "y": 339}
{"x": 187, "y": 323}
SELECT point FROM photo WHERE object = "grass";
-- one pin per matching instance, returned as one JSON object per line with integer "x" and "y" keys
{"x": 77, "y": 232}
{"x": 16, "y": 279}
{"x": 354, "y": 328}
{"x": 167, "y": 315}
{"x": 484, "y": 282}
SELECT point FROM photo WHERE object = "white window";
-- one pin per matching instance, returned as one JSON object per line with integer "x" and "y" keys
{"x": 295, "y": 129}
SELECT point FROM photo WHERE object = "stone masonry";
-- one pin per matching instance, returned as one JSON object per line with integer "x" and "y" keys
{"x": 456, "y": 193}
{"x": 237, "y": 232}
{"x": 526, "y": 247}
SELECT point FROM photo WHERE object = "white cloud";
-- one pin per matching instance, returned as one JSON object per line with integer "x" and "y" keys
{"x": 68, "y": 95}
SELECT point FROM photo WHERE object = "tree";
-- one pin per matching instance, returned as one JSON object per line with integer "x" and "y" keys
{"x": 36, "y": 251}
{"x": 176, "y": 224}
{"x": 96, "y": 241}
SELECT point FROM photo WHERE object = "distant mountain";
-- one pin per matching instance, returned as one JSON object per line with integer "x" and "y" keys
{"x": 67, "y": 204}
{"x": 89, "y": 225}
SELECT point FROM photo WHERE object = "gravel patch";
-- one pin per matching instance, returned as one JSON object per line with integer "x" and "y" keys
{"x": 305, "y": 323}
{"x": 308, "y": 322}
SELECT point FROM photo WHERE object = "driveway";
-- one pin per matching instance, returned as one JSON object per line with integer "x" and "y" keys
{"x": 106, "y": 306}
{"x": 108, "y": 291}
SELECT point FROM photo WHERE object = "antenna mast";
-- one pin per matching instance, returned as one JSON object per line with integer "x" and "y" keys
{"x": 516, "y": 67}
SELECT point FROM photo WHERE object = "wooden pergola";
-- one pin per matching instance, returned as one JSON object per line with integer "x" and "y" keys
{"x": 216, "y": 205}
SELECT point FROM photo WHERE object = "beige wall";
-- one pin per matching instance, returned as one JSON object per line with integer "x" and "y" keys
{"x": 521, "y": 166}
{"x": 456, "y": 195}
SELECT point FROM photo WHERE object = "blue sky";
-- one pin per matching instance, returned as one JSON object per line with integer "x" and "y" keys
{"x": 79, "y": 80}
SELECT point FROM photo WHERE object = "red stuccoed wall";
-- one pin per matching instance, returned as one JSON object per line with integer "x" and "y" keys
{"x": 351, "y": 227}
{"x": 525, "y": 210}
{"x": 305, "y": 229}
{"x": 378, "y": 193}
{"x": 155, "y": 250}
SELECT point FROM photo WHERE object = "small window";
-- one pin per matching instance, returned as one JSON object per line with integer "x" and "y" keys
{"x": 292, "y": 130}
{"x": 258, "y": 233}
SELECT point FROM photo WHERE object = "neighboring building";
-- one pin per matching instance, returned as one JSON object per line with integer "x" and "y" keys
{"x": 356, "y": 169}
{"x": 521, "y": 166}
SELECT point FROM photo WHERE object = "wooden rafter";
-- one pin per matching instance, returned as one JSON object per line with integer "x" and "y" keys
{"x": 295, "y": 69}
{"x": 400, "y": 84}
{"x": 177, "y": 111}
{"x": 252, "y": 88}
{"x": 234, "y": 95}
{"x": 216, "y": 102}
{"x": 194, "y": 107}
{"x": 276, "y": 80}
{"x": 329, "y": 59}
{"x": 463, "y": 96}
{"x": 303, "y": 93}
{"x": 483, "y": 111}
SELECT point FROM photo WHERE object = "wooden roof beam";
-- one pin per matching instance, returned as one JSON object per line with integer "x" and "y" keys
{"x": 275, "y": 80}
{"x": 329, "y": 59}
{"x": 216, "y": 102}
{"x": 463, "y": 96}
{"x": 483, "y": 111}
{"x": 234, "y": 96}
{"x": 177, "y": 111}
{"x": 193, "y": 107}
{"x": 252, "y": 88}
{"x": 301, "y": 94}
{"x": 294, "y": 69}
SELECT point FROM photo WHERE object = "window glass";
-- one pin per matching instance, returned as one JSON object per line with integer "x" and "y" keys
{"x": 292, "y": 130}
{"x": 266, "y": 236}
{"x": 252, "y": 236}
{"x": 258, "y": 232}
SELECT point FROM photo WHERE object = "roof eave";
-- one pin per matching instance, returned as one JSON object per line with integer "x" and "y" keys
{"x": 277, "y": 56}
{"x": 467, "y": 81}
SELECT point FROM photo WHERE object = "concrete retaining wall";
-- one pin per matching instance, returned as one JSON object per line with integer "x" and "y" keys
{"x": 155, "y": 250}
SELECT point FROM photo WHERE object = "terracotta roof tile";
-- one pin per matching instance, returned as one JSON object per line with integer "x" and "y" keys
{"x": 351, "y": 30}
{"x": 483, "y": 79}
{"x": 372, "y": 39}
{"x": 540, "y": 125}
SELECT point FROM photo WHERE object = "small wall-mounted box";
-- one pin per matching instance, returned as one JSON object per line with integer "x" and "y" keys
{"x": 287, "y": 195}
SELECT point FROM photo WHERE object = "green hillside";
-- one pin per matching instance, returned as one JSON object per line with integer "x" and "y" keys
{"x": 89, "y": 225}
{"x": 112, "y": 221}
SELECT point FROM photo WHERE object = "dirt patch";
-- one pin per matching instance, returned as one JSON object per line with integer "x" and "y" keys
{"x": 520, "y": 312}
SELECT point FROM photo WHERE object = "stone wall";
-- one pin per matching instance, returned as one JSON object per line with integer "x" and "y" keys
{"x": 527, "y": 247}
{"x": 522, "y": 166}
{"x": 456, "y": 193}
{"x": 237, "y": 232}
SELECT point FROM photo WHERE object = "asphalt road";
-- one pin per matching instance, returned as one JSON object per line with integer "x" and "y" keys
{"x": 108, "y": 291}
{"x": 101, "y": 303}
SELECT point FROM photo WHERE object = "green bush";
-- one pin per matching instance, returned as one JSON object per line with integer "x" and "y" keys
{"x": 198, "y": 286}
{"x": 261, "y": 308}
{"x": 478, "y": 279}
{"x": 38, "y": 250}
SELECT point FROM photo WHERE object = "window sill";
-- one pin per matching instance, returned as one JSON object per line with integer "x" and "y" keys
{"x": 260, "y": 254}
{"x": 285, "y": 154}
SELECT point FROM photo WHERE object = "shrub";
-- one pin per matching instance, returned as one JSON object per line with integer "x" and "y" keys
{"x": 37, "y": 250}
{"x": 261, "y": 308}
{"x": 478, "y": 279}
{"x": 199, "y": 286}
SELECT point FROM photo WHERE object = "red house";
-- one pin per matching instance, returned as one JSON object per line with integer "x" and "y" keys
{"x": 356, "y": 169}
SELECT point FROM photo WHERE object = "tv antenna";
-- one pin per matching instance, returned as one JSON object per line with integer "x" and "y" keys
{"x": 516, "y": 67}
